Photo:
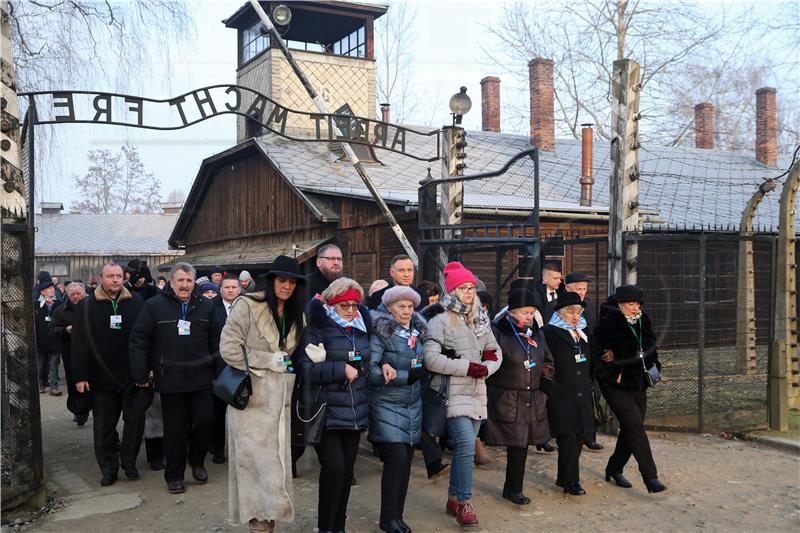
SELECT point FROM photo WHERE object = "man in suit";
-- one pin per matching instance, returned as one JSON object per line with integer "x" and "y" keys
{"x": 549, "y": 289}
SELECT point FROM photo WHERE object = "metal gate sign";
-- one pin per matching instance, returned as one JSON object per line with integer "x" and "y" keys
{"x": 87, "y": 107}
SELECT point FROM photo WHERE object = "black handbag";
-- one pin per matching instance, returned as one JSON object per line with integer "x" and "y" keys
{"x": 308, "y": 421}
{"x": 233, "y": 386}
{"x": 652, "y": 374}
{"x": 434, "y": 407}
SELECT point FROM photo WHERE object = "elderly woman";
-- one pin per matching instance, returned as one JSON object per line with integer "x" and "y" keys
{"x": 267, "y": 326}
{"x": 569, "y": 408}
{"x": 460, "y": 344}
{"x": 395, "y": 422}
{"x": 518, "y": 390}
{"x": 334, "y": 363}
{"x": 623, "y": 347}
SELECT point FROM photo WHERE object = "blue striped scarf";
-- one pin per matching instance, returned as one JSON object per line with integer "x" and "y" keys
{"x": 357, "y": 322}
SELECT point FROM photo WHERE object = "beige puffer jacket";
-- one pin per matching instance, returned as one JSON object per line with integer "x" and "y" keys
{"x": 449, "y": 331}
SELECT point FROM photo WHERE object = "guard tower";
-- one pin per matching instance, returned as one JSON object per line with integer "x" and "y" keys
{"x": 333, "y": 41}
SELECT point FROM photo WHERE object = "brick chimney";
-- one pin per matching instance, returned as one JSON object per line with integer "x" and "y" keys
{"x": 540, "y": 71}
{"x": 766, "y": 127}
{"x": 385, "y": 112}
{"x": 586, "y": 180}
{"x": 490, "y": 104}
{"x": 704, "y": 126}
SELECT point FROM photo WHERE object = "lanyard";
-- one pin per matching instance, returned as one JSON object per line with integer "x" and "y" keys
{"x": 114, "y": 306}
{"x": 517, "y": 334}
{"x": 183, "y": 310}
{"x": 639, "y": 335}
{"x": 351, "y": 338}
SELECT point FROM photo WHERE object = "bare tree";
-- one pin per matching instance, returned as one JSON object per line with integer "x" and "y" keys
{"x": 176, "y": 195}
{"x": 677, "y": 45}
{"x": 117, "y": 183}
{"x": 394, "y": 32}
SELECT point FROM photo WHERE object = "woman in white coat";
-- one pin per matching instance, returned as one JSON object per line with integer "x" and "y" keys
{"x": 267, "y": 325}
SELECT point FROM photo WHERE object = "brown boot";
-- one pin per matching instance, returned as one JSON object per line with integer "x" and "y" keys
{"x": 261, "y": 526}
{"x": 481, "y": 457}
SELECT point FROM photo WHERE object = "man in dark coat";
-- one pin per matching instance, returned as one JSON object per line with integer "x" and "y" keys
{"x": 141, "y": 280}
{"x": 177, "y": 340}
{"x": 100, "y": 363}
{"x": 48, "y": 349}
{"x": 330, "y": 267}
{"x": 401, "y": 272}
{"x": 61, "y": 330}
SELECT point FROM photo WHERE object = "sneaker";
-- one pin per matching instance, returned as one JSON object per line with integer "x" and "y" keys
{"x": 452, "y": 506}
{"x": 465, "y": 514}
{"x": 54, "y": 391}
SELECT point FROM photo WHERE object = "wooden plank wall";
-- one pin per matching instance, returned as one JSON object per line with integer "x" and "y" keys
{"x": 84, "y": 267}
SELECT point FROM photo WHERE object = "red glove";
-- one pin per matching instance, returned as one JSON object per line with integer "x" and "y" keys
{"x": 477, "y": 371}
{"x": 489, "y": 355}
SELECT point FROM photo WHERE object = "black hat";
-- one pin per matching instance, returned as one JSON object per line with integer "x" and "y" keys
{"x": 576, "y": 277}
{"x": 628, "y": 293}
{"x": 523, "y": 298}
{"x": 133, "y": 266}
{"x": 286, "y": 267}
{"x": 520, "y": 283}
{"x": 216, "y": 270}
{"x": 43, "y": 284}
{"x": 565, "y": 299}
{"x": 43, "y": 275}
{"x": 138, "y": 399}
{"x": 80, "y": 403}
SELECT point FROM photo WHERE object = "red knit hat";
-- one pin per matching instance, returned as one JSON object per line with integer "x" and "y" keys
{"x": 456, "y": 275}
{"x": 350, "y": 294}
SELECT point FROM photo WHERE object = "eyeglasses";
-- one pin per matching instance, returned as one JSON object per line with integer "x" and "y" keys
{"x": 333, "y": 259}
{"x": 348, "y": 307}
{"x": 473, "y": 288}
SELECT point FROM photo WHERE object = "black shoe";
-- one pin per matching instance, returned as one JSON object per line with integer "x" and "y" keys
{"x": 176, "y": 487}
{"x": 218, "y": 458}
{"x": 518, "y": 498}
{"x": 157, "y": 465}
{"x": 545, "y": 448}
{"x": 81, "y": 419}
{"x": 593, "y": 446}
{"x": 575, "y": 489}
{"x": 108, "y": 479}
{"x": 131, "y": 472}
{"x": 619, "y": 479}
{"x": 394, "y": 526}
{"x": 406, "y": 527}
{"x": 199, "y": 474}
{"x": 654, "y": 485}
{"x": 436, "y": 469}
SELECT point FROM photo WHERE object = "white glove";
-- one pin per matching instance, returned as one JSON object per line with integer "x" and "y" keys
{"x": 316, "y": 352}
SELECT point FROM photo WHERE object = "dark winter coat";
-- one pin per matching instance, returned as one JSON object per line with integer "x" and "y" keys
{"x": 395, "y": 408}
{"x": 63, "y": 316}
{"x": 569, "y": 408}
{"x": 613, "y": 333}
{"x": 43, "y": 317}
{"x": 348, "y": 403}
{"x": 518, "y": 396}
{"x": 100, "y": 354}
{"x": 146, "y": 291}
{"x": 180, "y": 363}
{"x": 316, "y": 282}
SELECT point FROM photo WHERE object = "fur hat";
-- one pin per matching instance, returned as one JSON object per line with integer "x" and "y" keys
{"x": 576, "y": 277}
{"x": 629, "y": 293}
{"x": 400, "y": 292}
{"x": 377, "y": 285}
{"x": 523, "y": 298}
{"x": 456, "y": 275}
{"x": 565, "y": 299}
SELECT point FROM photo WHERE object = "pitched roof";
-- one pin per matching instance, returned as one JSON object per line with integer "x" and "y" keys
{"x": 678, "y": 185}
{"x": 128, "y": 234}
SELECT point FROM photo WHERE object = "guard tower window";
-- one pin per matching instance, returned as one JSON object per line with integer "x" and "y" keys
{"x": 253, "y": 42}
{"x": 353, "y": 45}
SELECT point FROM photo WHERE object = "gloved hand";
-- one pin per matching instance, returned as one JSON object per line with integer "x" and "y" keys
{"x": 415, "y": 374}
{"x": 489, "y": 355}
{"x": 316, "y": 352}
{"x": 477, "y": 371}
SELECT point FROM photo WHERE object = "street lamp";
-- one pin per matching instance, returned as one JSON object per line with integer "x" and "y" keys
{"x": 282, "y": 15}
{"x": 460, "y": 104}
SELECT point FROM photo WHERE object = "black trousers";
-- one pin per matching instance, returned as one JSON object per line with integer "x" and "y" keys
{"x": 569, "y": 455}
{"x": 187, "y": 425}
{"x": 396, "y": 459}
{"x": 154, "y": 449}
{"x": 630, "y": 407}
{"x": 217, "y": 441}
{"x": 107, "y": 408}
{"x": 515, "y": 469}
{"x": 337, "y": 452}
{"x": 431, "y": 451}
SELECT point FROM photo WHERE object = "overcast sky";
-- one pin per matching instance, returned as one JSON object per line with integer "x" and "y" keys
{"x": 447, "y": 54}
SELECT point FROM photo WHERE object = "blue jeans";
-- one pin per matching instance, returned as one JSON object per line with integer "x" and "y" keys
{"x": 463, "y": 430}
{"x": 48, "y": 368}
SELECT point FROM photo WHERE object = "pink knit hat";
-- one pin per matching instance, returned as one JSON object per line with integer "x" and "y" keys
{"x": 456, "y": 275}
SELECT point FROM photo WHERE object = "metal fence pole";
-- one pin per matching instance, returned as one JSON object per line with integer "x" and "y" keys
{"x": 701, "y": 335}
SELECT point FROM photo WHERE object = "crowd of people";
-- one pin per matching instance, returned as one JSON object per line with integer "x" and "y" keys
{"x": 150, "y": 352}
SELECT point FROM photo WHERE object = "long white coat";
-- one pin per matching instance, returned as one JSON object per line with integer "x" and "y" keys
{"x": 259, "y": 451}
